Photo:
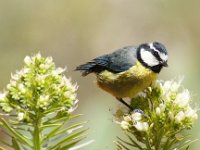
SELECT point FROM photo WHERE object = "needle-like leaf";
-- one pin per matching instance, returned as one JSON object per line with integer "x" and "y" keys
{"x": 18, "y": 136}
{"x": 68, "y": 139}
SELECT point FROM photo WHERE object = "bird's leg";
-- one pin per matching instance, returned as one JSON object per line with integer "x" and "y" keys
{"x": 123, "y": 102}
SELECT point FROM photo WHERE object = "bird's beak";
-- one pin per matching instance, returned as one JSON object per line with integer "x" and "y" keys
{"x": 165, "y": 64}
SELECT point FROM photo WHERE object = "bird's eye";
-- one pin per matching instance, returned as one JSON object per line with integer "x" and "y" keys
{"x": 155, "y": 53}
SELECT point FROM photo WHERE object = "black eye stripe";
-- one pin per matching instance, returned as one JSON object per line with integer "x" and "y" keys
{"x": 155, "y": 53}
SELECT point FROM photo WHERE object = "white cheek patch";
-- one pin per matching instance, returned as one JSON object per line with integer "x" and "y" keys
{"x": 149, "y": 58}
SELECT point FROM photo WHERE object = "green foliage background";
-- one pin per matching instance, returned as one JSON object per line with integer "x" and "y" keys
{"x": 73, "y": 32}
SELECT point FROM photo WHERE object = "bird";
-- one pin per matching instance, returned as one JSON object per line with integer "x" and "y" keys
{"x": 128, "y": 70}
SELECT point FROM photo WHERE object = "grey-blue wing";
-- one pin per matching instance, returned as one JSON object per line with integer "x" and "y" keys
{"x": 118, "y": 61}
{"x": 122, "y": 59}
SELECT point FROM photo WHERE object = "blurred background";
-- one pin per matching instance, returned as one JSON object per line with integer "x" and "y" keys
{"x": 75, "y": 31}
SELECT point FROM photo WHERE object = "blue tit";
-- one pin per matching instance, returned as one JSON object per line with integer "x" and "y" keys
{"x": 128, "y": 70}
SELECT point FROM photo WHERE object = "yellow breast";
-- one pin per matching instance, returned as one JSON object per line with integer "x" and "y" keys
{"x": 127, "y": 83}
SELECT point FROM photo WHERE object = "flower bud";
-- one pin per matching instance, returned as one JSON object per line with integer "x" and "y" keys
{"x": 141, "y": 126}
{"x": 182, "y": 99}
{"x": 124, "y": 125}
{"x": 20, "y": 116}
{"x": 179, "y": 117}
{"x": 136, "y": 116}
{"x": 27, "y": 60}
{"x": 158, "y": 111}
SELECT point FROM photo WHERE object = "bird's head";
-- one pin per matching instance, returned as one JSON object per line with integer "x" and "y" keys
{"x": 153, "y": 56}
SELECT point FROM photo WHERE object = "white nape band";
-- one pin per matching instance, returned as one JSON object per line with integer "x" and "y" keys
{"x": 152, "y": 47}
{"x": 163, "y": 56}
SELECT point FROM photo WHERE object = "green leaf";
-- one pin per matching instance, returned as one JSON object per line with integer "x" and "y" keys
{"x": 122, "y": 145}
{"x": 187, "y": 144}
{"x": 158, "y": 137}
{"x": 57, "y": 132}
{"x": 148, "y": 145}
{"x": 51, "y": 133}
{"x": 75, "y": 116}
{"x": 1, "y": 148}
{"x": 49, "y": 126}
{"x": 133, "y": 145}
{"x": 55, "y": 119}
{"x": 16, "y": 123}
{"x": 5, "y": 143}
{"x": 134, "y": 142}
{"x": 53, "y": 109}
{"x": 15, "y": 144}
{"x": 118, "y": 146}
{"x": 28, "y": 130}
{"x": 15, "y": 134}
{"x": 167, "y": 143}
{"x": 68, "y": 139}
{"x": 71, "y": 144}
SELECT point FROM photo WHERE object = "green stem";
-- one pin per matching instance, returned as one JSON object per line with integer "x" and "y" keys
{"x": 37, "y": 134}
{"x": 158, "y": 138}
{"x": 148, "y": 145}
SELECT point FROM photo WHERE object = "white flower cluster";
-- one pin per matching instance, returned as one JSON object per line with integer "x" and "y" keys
{"x": 170, "y": 104}
{"x": 39, "y": 85}
{"x": 134, "y": 121}
{"x": 177, "y": 100}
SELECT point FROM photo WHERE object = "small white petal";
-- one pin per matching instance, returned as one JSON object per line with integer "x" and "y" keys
{"x": 127, "y": 118}
{"x": 171, "y": 115}
{"x": 136, "y": 116}
{"x": 195, "y": 116}
{"x": 179, "y": 117}
{"x": 162, "y": 107}
{"x": 13, "y": 83}
{"x": 167, "y": 85}
{"x": 27, "y": 60}
{"x": 22, "y": 88}
{"x": 72, "y": 109}
{"x": 2, "y": 96}
{"x": 183, "y": 99}
{"x": 76, "y": 101}
{"x": 142, "y": 126}
{"x": 15, "y": 76}
{"x": 49, "y": 60}
{"x": 190, "y": 113}
{"x": 124, "y": 125}
{"x": 20, "y": 116}
{"x": 175, "y": 86}
{"x": 38, "y": 56}
{"x": 60, "y": 70}
{"x": 68, "y": 94}
{"x": 26, "y": 70}
{"x": 158, "y": 111}
{"x": 145, "y": 126}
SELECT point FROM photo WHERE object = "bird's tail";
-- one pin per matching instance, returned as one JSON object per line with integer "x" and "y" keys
{"x": 94, "y": 66}
{"x": 87, "y": 68}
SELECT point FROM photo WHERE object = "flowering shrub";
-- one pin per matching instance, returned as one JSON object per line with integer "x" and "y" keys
{"x": 160, "y": 115}
{"x": 39, "y": 100}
